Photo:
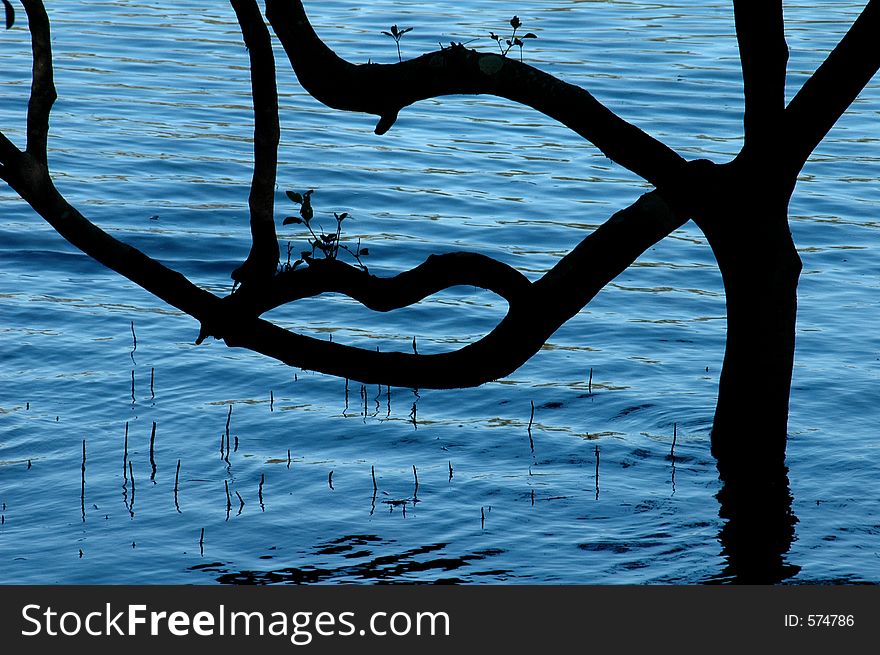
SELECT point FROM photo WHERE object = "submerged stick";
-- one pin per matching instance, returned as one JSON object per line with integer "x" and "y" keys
{"x": 131, "y": 474}
{"x": 228, "y": 419}
{"x": 416, "y": 476}
{"x": 260, "y": 491}
{"x": 176, "y": 481}
{"x": 152, "y": 452}
{"x": 125, "y": 454}
{"x": 531, "y": 419}
{"x": 373, "y": 473}
{"x": 202, "y": 542}
{"x": 134, "y": 344}
{"x": 82, "y": 496}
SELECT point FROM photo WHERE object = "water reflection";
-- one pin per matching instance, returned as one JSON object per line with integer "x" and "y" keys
{"x": 759, "y": 528}
{"x": 390, "y": 567}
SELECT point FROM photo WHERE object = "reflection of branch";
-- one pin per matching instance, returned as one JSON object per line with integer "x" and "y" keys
{"x": 834, "y": 86}
{"x": 262, "y": 261}
{"x": 536, "y": 311}
{"x": 384, "y": 89}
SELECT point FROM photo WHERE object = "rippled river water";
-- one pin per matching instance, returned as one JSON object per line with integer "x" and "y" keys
{"x": 151, "y": 140}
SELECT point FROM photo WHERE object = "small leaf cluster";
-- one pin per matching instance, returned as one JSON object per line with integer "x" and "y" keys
{"x": 514, "y": 40}
{"x": 328, "y": 244}
{"x": 397, "y": 34}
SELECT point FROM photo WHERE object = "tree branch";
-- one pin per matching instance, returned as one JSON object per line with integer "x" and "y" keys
{"x": 384, "y": 89}
{"x": 833, "y": 87}
{"x": 8, "y": 151}
{"x": 43, "y": 94}
{"x": 28, "y": 174}
{"x": 436, "y": 273}
{"x": 536, "y": 309}
{"x": 262, "y": 261}
{"x": 760, "y": 33}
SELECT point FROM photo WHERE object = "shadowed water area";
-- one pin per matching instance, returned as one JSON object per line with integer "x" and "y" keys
{"x": 590, "y": 464}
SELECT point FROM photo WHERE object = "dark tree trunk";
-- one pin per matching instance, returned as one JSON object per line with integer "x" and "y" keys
{"x": 744, "y": 214}
{"x": 745, "y": 219}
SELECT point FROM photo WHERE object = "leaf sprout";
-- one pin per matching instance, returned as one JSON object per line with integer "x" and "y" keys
{"x": 514, "y": 40}
{"x": 329, "y": 244}
{"x": 397, "y": 34}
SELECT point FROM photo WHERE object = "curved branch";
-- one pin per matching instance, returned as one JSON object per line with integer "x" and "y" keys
{"x": 43, "y": 94}
{"x": 436, "y": 273}
{"x": 536, "y": 310}
{"x": 28, "y": 174}
{"x": 834, "y": 86}
{"x": 384, "y": 89}
{"x": 262, "y": 261}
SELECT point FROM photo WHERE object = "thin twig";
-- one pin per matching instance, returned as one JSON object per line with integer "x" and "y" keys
{"x": 152, "y": 452}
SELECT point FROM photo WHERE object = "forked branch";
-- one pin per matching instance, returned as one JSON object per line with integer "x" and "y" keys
{"x": 28, "y": 174}
{"x": 536, "y": 310}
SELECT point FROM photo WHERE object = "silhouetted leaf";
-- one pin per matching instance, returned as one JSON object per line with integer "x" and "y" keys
{"x": 387, "y": 33}
{"x": 530, "y": 35}
{"x": 342, "y": 216}
{"x": 296, "y": 197}
{"x": 494, "y": 36}
{"x": 306, "y": 211}
{"x": 291, "y": 219}
{"x": 363, "y": 252}
{"x": 308, "y": 193}
{"x": 518, "y": 42}
{"x": 394, "y": 31}
{"x": 10, "y": 14}
{"x": 515, "y": 22}
{"x": 408, "y": 29}
{"x": 305, "y": 254}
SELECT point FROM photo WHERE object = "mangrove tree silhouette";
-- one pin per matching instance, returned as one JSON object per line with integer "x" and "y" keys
{"x": 740, "y": 205}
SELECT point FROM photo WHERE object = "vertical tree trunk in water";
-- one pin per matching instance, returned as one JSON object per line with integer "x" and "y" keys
{"x": 760, "y": 267}
{"x": 746, "y": 224}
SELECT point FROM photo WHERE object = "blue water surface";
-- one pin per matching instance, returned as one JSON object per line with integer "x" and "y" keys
{"x": 151, "y": 139}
